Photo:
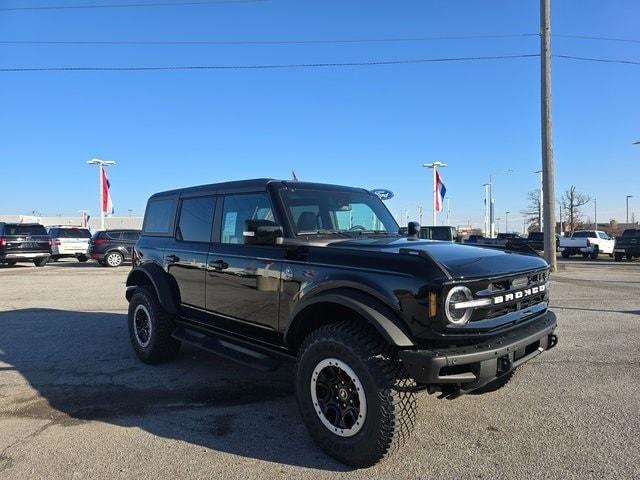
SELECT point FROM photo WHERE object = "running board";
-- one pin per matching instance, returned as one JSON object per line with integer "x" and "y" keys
{"x": 226, "y": 349}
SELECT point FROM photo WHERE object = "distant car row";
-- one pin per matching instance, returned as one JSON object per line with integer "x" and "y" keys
{"x": 32, "y": 243}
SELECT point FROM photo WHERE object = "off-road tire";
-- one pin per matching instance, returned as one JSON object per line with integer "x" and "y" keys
{"x": 113, "y": 259}
{"x": 389, "y": 391}
{"x": 162, "y": 346}
{"x": 41, "y": 262}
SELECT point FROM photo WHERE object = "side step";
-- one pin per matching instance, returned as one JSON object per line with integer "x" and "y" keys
{"x": 226, "y": 349}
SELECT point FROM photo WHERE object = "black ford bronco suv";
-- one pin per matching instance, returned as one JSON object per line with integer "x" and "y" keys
{"x": 265, "y": 271}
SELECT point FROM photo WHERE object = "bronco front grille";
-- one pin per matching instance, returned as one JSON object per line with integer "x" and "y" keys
{"x": 511, "y": 294}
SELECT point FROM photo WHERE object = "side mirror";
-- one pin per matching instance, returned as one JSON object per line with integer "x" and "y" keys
{"x": 262, "y": 232}
{"x": 413, "y": 230}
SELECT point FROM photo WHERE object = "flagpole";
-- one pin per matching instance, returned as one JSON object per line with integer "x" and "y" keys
{"x": 434, "y": 166}
{"x": 101, "y": 164}
{"x": 101, "y": 197}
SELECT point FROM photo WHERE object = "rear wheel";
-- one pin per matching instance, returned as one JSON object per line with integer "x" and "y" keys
{"x": 41, "y": 262}
{"x": 565, "y": 254}
{"x": 113, "y": 259}
{"x": 585, "y": 255}
{"x": 11, "y": 263}
{"x": 594, "y": 253}
{"x": 355, "y": 396}
{"x": 82, "y": 258}
{"x": 150, "y": 328}
{"x": 618, "y": 257}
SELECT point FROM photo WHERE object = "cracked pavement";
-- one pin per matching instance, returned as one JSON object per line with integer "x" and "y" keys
{"x": 75, "y": 402}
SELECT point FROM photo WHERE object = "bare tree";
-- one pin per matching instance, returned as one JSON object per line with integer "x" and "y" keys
{"x": 572, "y": 201}
{"x": 532, "y": 212}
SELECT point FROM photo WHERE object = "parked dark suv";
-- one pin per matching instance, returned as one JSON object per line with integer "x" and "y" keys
{"x": 112, "y": 247}
{"x": 24, "y": 242}
{"x": 265, "y": 271}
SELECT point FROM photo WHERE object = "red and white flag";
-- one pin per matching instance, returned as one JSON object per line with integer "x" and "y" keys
{"x": 105, "y": 193}
{"x": 441, "y": 190}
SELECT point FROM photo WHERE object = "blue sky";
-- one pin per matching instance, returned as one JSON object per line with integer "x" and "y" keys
{"x": 367, "y": 126}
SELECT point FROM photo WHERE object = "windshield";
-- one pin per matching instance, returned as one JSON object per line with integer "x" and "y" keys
{"x": 337, "y": 212}
{"x": 24, "y": 230}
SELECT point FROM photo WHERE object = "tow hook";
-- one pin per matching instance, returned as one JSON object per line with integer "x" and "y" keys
{"x": 505, "y": 364}
{"x": 552, "y": 341}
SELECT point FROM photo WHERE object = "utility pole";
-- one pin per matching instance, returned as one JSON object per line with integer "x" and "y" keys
{"x": 101, "y": 164}
{"x": 434, "y": 166}
{"x": 595, "y": 214}
{"x": 506, "y": 222}
{"x": 628, "y": 197}
{"x": 547, "y": 135}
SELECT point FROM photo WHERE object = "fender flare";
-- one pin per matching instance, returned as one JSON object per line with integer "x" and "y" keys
{"x": 156, "y": 276}
{"x": 375, "y": 312}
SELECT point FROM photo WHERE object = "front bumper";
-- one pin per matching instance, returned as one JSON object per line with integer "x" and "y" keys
{"x": 474, "y": 366}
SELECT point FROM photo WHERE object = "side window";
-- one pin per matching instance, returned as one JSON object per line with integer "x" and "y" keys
{"x": 196, "y": 219}
{"x": 157, "y": 219}
{"x": 130, "y": 236}
{"x": 237, "y": 209}
{"x": 114, "y": 235}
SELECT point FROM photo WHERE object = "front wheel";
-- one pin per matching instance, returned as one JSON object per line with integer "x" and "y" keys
{"x": 594, "y": 253}
{"x": 355, "y": 396}
{"x": 82, "y": 258}
{"x": 41, "y": 262}
{"x": 565, "y": 254}
{"x": 113, "y": 259}
{"x": 618, "y": 257}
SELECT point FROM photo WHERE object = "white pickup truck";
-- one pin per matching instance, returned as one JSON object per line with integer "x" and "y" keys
{"x": 588, "y": 243}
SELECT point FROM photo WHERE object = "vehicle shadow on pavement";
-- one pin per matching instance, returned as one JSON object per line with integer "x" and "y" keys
{"x": 83, "y": 369}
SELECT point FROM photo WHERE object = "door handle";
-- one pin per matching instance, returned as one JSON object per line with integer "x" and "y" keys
{"x": 218, "y": 265}
{"x": 172, "y": 258}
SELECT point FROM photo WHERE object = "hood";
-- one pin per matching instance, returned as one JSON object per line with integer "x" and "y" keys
{"x": 459, "y": 260}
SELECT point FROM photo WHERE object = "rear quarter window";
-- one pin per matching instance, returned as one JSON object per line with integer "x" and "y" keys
{"x": 158, "y": 217}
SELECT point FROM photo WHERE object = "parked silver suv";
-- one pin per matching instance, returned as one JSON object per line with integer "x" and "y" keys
{"x": 67, "y": 241}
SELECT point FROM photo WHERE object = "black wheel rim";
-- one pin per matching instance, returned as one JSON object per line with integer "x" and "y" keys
{"x": 338, "y": 397}
{"x": 142, "y": 325}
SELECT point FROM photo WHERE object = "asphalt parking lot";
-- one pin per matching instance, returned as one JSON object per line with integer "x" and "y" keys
{"x": 75, "y": 402}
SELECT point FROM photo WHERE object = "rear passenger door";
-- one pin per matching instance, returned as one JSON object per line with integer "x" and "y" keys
{"x": 186, "y": 255}
{"x": 243, "y": 281}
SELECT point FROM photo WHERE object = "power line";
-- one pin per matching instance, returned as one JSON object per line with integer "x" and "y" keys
{"x": 128, "y": 5}
{"x": 265, "y": 42}
{"x": 601, "y": 60}
{"x": 263, "y": 67}
{"x": 590, "y": 37}
{"x": 304, "y": 42}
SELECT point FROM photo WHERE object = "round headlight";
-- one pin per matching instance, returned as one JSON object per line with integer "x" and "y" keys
{"x": 458, "y": 316}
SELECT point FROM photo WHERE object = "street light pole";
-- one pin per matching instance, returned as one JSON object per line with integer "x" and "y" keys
{"x": 547, "y": 135}
{"x": 595, "y": 214}
{"x": 434, "y": 166}
{"x": 101, "y": 164}
{"x": 486, "y": 209}
{"x": 506, "y": 222}
{"x": 628, "y": 197}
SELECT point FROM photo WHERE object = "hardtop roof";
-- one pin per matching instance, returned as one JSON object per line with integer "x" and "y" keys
{"x": 252, "y": 185}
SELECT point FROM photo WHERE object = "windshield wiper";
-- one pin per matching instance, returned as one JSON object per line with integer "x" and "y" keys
{"x": 322, "y": 232}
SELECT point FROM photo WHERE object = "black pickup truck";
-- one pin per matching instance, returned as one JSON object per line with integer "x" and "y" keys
{"x": 24, "y": 242}
{"x": 268, "y": 271}
{"x": 628, "y": 245}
